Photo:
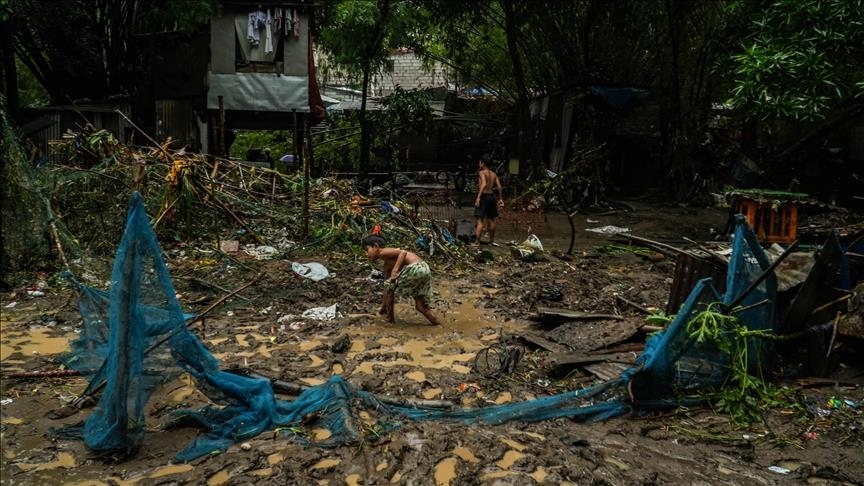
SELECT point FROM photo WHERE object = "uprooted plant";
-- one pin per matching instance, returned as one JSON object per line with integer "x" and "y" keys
{"x": 745, "y": 393}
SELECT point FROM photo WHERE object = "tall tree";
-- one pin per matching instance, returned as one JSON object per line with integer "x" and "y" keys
{"x": 82, "y": 48}
{"x": 796, "y": 59}
{"x": 358, "y": 35}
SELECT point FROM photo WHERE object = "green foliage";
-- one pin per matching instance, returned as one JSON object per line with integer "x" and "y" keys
{"x": 358, "y": 35}
{"x": 278, "y": 143}
{"x": 83, "y": 48}
{"x": 407, "y": 110}
{"x": 711, "y": 326}
{"x": 659, "y": 318}
{"x": 30, "y": 92}
{"x": 404, "y": 111}
{"x": 797, "y": 58}
{"x": 25, "y": 221}
{"x": 744, "y": 396}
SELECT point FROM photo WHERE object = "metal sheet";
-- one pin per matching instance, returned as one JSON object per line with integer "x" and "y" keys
{"x": 258, "y": 92}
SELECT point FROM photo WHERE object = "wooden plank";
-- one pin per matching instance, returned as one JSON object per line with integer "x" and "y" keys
{"x": 606, "y": 371}
{"x": 621, "y": 348}
{"x": 580, "y": 358}
{"x": 569, "y": 315}
{"x": 542, "y": 342}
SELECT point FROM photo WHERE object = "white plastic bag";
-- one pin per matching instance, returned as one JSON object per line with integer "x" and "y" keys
{"x": 312, "y": 270}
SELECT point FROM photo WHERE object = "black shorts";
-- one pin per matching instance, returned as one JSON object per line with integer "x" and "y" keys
{"x": 488, "y": 207}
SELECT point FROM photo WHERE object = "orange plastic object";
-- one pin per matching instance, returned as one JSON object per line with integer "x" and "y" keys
{"x": 773, "y": 222}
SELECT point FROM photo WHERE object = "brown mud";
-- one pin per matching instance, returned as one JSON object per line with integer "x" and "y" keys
{"x": 411, "y": 359}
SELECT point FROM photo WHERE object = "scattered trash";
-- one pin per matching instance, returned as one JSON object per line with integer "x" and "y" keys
{"x": 388, "y": 208}
{"x": 312, "y": 270}
{"x": 552, "y": 293}
{"x": 608, "y": 230}
{"x": 5, "y": 401}
{"x": 779, "y": 470}
{"x": 35, "y": 293}
{"x": 229, "y": 246}
{"x": 262, "y": 252}
{"x": 10, "y": 305}
{"x": 321, "y": 313}
{"x": 529, "y": 250}
{"x": 591, "y": 221}
{"x": 536, "y": 204}
{"x": 484, "y": 256}
{"x": 342, "y": 344}
{"x": 810, "y": 436}
{"x": 463, "y": 387}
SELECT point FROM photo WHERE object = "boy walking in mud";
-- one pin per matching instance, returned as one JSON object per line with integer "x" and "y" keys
{"x": 406, "y": 272}
{"x": 486, "y": 206}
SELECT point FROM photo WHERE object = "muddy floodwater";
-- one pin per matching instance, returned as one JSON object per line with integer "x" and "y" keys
{"x": 487, "y": 302}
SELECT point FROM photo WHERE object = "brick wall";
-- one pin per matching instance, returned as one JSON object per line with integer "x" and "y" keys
{"x": 408, "y": 72}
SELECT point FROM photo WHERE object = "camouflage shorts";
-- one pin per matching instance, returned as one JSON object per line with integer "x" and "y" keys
{"x": 415, "y": 280}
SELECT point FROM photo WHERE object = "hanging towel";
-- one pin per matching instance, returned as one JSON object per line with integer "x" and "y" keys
{"x": 268, "y": 34}
{"x": 296, "y": 23}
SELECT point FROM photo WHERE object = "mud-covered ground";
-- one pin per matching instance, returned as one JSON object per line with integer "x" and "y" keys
{"x": 487, "y": 302}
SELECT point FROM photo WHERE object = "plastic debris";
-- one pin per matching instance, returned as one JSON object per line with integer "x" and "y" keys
{"x": 779, "y": 470}
{"x": 388, "y": 208}
{"x": 229, "y": 246}
{"x": 312, "y": 270}
{"x": 608, "y": 230}
{"x": 321, "y": 313}
{"x": 529, "y": 250}
{"x": 262, "y": 252}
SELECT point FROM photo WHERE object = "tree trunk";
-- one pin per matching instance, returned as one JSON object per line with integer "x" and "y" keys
{"x": 523, "y": 114}
{"x": 10, "y": 75}
{"x": 365, "y": 136}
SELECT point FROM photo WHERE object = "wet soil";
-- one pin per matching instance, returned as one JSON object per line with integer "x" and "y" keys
{"x": 490, "y": 301}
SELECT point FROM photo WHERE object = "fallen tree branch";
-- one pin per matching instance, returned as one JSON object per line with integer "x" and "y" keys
{"x": 668, "y": 250}
{"x": 27, "y": 375}
{"x": 633, "y": 304}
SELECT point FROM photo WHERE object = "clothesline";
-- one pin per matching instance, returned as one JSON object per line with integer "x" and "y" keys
{"x": 273, "y": 22}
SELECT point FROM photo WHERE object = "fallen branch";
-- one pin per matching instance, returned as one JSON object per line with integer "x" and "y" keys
{"x": 633, "y": 304}
{"x": 668, "y": 250}
{"x": 28, "y": 375}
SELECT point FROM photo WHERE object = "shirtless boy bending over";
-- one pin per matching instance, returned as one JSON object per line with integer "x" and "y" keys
{"x": 406, "y": 272}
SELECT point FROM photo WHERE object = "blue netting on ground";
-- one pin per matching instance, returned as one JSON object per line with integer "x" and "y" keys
{"x": 136, "y": 336}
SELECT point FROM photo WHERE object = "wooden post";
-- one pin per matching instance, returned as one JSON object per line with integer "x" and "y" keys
{"x": 222, "y": 147}
{"x": 298, "y": 142}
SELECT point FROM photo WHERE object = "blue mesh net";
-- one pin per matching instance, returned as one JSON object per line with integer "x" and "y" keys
{"x": 136, "y": 336}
